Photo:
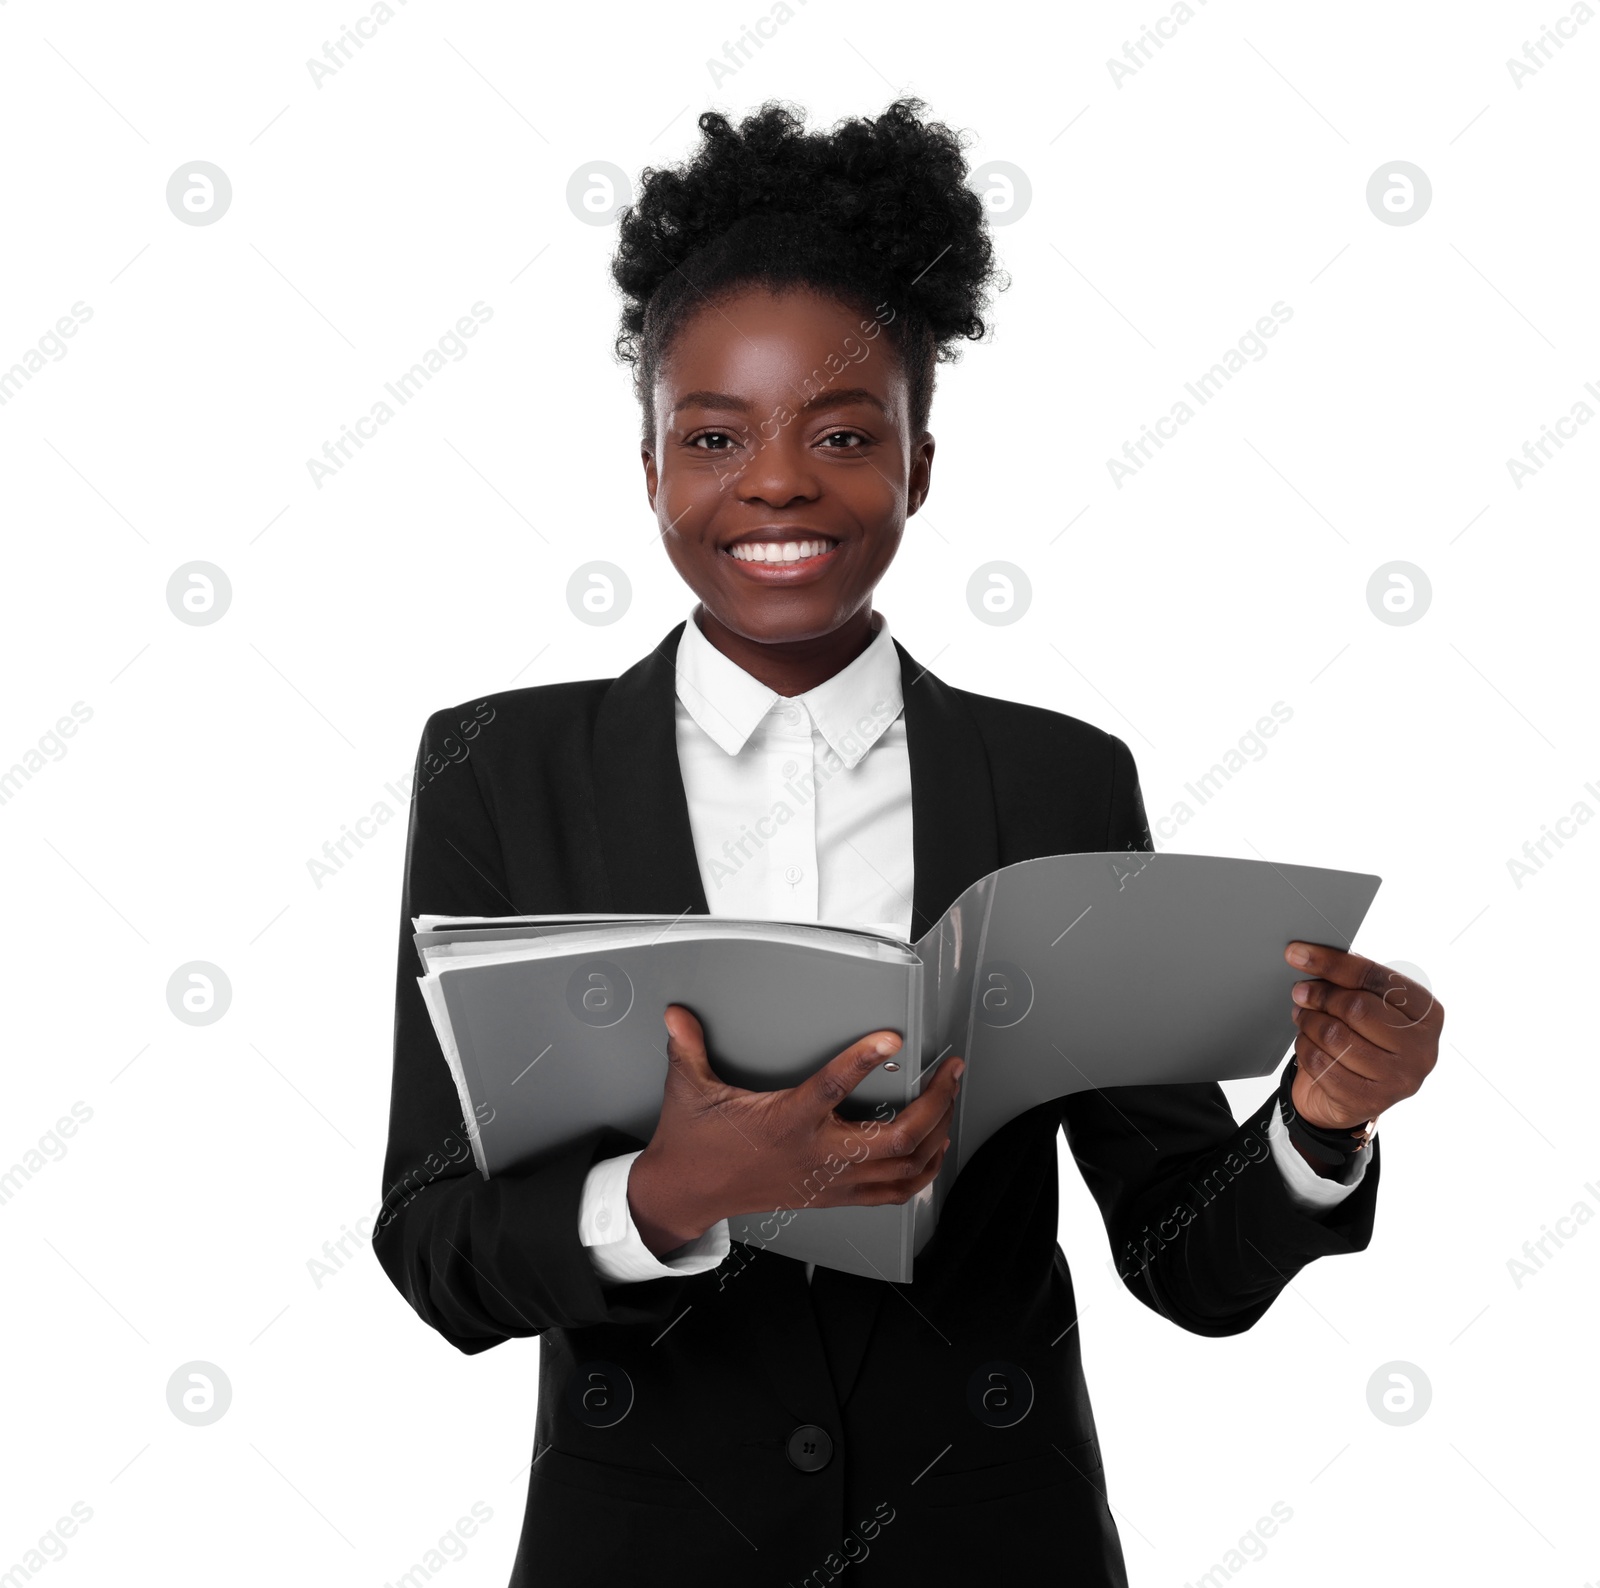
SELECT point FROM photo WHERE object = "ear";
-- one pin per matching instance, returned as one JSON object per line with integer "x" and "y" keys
{"x": 920, "y": 480}
{"x": 652, "y": 478}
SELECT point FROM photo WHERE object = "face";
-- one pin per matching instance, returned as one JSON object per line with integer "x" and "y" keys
{"x": 783, "y": 469}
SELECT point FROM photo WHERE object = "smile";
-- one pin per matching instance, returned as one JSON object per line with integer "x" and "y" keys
{"x": 781, "y": 561}
{"x": 779, "y": 550}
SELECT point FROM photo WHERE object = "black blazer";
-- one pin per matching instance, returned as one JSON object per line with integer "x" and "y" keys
{"x": 947, "y": 1423}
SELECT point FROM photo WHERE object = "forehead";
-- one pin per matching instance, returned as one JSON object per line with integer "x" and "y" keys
{"x": 778, "y": 346}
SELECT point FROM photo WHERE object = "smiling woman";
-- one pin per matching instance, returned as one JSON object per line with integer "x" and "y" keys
{"x": 755, "y": 277}
{"x": 778, "y": 755}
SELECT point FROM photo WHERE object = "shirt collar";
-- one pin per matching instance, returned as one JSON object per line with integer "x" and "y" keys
{"x": 850, "y": 710}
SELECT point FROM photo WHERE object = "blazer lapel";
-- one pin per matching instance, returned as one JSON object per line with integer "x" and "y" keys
{"x": 955, "y": 835}
{"x": 641, "y": 807}
{"x": 651, "y": 868}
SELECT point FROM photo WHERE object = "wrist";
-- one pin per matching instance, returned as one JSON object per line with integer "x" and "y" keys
{"x": 662, "y": 1207}
{"x": 1330, "y": 1150}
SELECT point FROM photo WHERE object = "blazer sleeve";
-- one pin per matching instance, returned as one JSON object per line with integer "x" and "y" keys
{"x": 1202, "y": 1224}
{"x": 480, "y": 1260}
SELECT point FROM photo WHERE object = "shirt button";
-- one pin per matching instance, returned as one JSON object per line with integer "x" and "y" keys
{"x": 793, "y": 875}
{"x": 790, "y": 768}
{"x": 810, "y": 1448}
{"x": 602, "y": 1219}
{"x": 791, "y": 714}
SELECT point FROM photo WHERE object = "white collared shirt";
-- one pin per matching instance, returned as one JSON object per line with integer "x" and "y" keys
{"x": 801, "y": 811}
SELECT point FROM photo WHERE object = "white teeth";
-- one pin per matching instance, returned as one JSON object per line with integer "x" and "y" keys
{"x": 778, "y": 551}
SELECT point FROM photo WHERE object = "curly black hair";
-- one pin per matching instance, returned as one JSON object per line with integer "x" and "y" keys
{"x": 875, "y": 212}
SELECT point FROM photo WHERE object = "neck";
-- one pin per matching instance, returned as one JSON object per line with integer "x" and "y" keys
{"x": 791, "y": 667}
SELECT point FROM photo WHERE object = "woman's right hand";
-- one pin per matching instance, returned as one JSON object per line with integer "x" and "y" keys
{"x": 719, "y": 1150}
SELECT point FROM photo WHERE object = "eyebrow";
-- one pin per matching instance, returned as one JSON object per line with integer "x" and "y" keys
{"x": 824, "y": 399}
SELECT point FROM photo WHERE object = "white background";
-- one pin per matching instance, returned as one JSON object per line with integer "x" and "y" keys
{"x": 1168, "y": 214}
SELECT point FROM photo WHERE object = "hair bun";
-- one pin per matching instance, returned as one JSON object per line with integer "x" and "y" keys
{"x": 876, "y": 209}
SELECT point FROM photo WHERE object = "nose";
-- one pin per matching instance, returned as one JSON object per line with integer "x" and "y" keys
{"x": 777, "y": 472}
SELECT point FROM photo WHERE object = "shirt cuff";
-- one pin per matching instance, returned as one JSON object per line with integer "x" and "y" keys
{"x": 618, "y": 1252}
{"x": 1309, "y": 1189}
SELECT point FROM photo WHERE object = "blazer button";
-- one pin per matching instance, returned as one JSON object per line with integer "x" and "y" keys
{"x": 810, "y": 1448}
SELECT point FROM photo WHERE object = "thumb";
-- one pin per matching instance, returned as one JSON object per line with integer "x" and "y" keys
{"x": 686, "y": 1049}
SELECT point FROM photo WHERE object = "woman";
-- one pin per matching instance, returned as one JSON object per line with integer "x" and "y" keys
{"x": 708, "y": 1415}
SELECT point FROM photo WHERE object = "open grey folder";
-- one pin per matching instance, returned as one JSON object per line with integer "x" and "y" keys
{"x": 1049, "y": 977}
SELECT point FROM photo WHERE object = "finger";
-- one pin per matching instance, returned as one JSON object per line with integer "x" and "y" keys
{"x": 1405, "y": 1001}
{"x": 1334, "y": 1088}
{"x": 1355, "y": 971}
{"x": 900, "y": 1137}
{"x": 1343, "y": 1045}
{"x": 843, "y": 1073}
{"x": 912, "y": 1163}
{"x": 1367, "y": 1015}
{"x": 876, "y": 1193}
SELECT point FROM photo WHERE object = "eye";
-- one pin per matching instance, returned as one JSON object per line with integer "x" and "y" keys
{"x": 855, "y": 433}
{"x": 705, "y": 435}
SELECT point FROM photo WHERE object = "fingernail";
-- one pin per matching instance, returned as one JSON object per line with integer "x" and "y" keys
{"x": 1301, "y": 992}
{"x": 886, "y": 1045}
{"x": 1299, "y": 956}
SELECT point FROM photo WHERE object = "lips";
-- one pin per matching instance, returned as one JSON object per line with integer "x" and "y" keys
{"x": 781, "y": 556}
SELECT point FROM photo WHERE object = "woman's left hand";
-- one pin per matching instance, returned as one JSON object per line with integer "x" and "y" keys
{"x": 1368, "y": 1036}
